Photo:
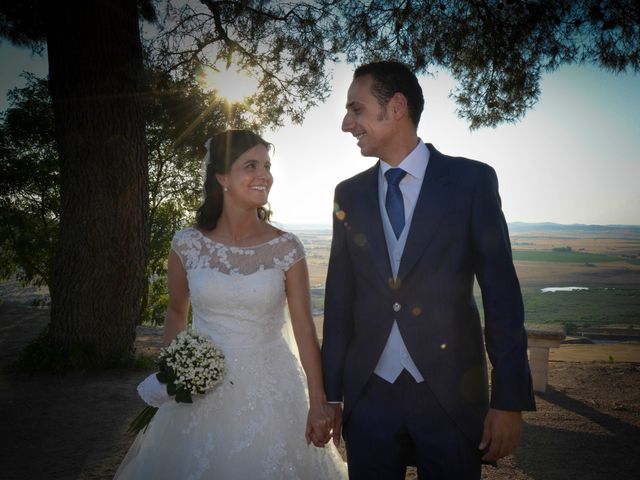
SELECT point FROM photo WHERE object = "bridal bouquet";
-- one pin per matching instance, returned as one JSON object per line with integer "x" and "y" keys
{"x": 190, "y": 365}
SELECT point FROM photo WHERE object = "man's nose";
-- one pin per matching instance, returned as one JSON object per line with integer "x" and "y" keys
{"x": 347, "y": 123}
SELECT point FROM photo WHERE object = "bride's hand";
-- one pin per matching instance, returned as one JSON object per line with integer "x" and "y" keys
{"x": 319, "y": 423}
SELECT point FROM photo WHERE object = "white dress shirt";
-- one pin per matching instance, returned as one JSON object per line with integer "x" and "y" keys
{"x": 395, "y": 356}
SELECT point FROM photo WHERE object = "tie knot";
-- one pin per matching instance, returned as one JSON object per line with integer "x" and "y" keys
{"x": 394, "y": 175}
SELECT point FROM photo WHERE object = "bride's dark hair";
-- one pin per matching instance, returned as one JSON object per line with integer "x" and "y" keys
{"x": 223, "y": 149}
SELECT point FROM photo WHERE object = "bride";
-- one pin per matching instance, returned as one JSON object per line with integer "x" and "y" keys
{"x": 239, "y": 272}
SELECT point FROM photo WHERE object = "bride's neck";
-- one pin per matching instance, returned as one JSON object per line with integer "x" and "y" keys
{"x": 237, "y": 228}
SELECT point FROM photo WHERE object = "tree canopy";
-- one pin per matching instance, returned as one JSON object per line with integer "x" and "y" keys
{"x": 29, "y": 185}
{"x": 497, "y": 50}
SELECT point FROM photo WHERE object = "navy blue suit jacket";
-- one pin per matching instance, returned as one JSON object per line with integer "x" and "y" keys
{"x": 457, "y": 232}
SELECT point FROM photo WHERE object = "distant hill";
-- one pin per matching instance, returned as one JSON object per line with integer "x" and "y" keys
{"x": 515, "y": 227}
{"x": 297, "y": 227}
{"x": 521, "y": 227}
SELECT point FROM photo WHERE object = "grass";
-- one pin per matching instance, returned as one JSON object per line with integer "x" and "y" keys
{"x": 593, "y": 307}
{"x": 565, "y": 257}
{"x": 598, "y": 306}
{"x": 42, "y": 356}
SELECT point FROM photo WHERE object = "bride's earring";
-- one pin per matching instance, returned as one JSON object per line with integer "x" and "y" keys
{"x": 225, "y": 189}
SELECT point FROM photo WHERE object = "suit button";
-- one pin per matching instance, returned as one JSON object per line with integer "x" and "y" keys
{"x": 396, "y": 307}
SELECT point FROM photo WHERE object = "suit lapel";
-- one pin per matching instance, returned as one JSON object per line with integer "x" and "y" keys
{"x": 432, "y": 203}
{"x": 371, "y": 225}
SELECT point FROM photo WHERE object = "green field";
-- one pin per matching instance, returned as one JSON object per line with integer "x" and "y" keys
{"x": 598, "y": 306}
{"x": 581, "y": 308}
{"x": 565, "y": 257}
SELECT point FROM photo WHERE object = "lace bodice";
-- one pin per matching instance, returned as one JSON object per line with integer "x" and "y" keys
{"x": 197, "y": 251}
{"x": 237, "y": 293}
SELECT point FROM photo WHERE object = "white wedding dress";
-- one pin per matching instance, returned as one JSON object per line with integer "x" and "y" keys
{"x": 251, "y": 426}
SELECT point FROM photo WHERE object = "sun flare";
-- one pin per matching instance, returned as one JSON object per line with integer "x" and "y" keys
{"x": 232, "y": 84}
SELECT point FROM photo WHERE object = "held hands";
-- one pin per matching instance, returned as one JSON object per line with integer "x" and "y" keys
{"x": 324, "y": 421}
{"x": 319, "y": 421}
{"x": 501, "y": 436}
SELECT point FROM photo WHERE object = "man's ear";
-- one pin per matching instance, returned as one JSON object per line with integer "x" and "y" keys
{"x": 399, "y": 106}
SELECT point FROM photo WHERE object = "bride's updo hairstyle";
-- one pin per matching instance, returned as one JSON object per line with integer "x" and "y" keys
{"x": 222, "y": 150}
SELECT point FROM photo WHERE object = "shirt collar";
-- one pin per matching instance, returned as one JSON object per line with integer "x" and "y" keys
{"x": 415, "y": 164}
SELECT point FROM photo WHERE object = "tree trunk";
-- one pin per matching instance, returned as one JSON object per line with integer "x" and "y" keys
{"x": 96, "y": 81}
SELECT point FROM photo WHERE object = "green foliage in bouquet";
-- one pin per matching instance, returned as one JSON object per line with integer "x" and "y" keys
{"x": 142, "y": 421}
{"x": 168, "y": 375}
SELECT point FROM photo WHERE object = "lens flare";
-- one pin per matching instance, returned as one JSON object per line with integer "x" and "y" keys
{"x": 232, "y": 84}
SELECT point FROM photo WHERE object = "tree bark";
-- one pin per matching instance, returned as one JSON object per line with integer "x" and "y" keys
{"x": 96, "y": 82}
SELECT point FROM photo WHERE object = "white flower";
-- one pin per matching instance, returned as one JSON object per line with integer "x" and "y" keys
{"x": 196, "y": 363}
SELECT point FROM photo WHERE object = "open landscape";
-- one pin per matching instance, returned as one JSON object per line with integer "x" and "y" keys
{"x": 586, "y": 426}
{"x": 604, "y": 260}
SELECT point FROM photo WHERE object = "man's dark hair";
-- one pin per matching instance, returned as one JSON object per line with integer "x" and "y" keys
{"x": 390, "y": 77}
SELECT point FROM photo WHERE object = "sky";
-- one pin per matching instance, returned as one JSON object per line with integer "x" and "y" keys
{"x": 574, "y": 158}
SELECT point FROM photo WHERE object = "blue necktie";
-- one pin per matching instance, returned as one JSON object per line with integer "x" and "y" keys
{"x": 394, "y": 202}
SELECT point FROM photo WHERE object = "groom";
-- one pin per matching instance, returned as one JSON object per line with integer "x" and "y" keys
{"x": 403, "y": 341}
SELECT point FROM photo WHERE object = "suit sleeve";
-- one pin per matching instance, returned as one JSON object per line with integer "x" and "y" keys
{"x": 505, "y": 335}
{"x": 338, "y": 306}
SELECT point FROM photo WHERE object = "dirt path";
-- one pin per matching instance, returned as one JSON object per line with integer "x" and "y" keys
{"x": 74, "y": 427}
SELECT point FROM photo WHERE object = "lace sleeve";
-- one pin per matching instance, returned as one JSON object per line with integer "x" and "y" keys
{"x": 187, "y": 246}
{"x": 291, "y": 252}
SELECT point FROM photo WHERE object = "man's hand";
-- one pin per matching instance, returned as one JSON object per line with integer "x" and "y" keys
{"x": 319, "y": 422}
{"x": 502, "y": 431}
{"x": 336, "y": 428}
